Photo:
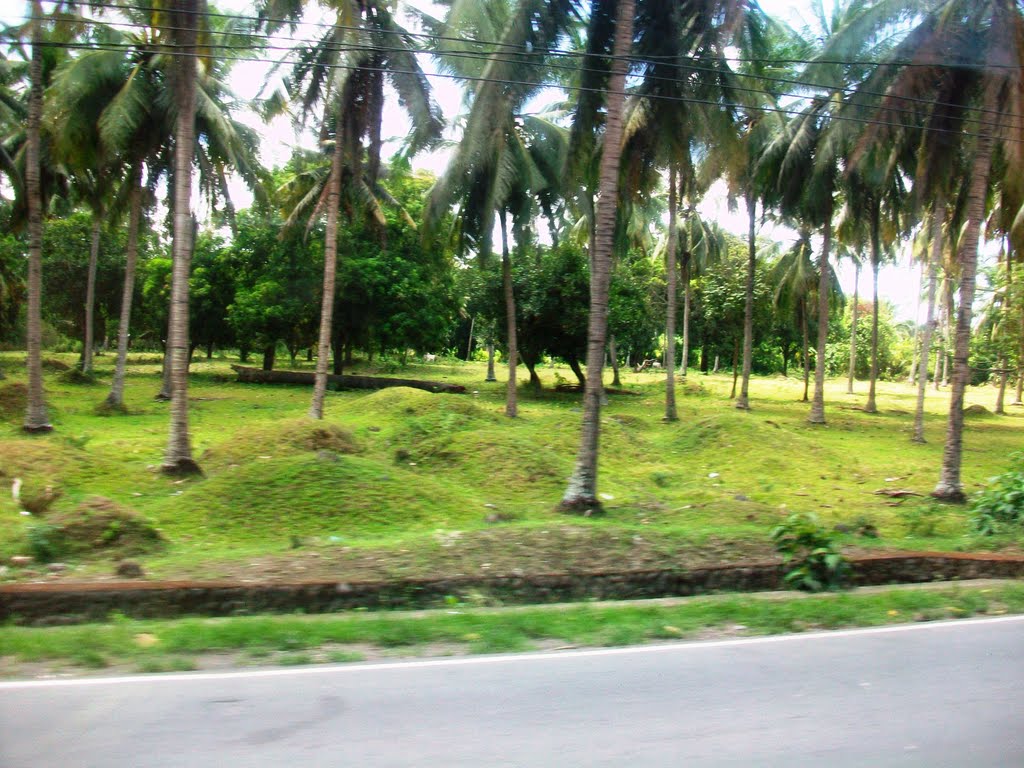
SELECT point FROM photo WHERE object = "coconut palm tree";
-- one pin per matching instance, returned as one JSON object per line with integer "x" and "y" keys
{"x": 345, "y": 71}
{"x": 581, "y": 493}
{"x": 36, "y": 419}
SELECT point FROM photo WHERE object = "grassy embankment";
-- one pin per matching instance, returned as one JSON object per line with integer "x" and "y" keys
{"x": 402, "y": 482}
{"x": 124, "y": 645}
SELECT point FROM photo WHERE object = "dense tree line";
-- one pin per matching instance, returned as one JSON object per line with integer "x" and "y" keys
{"x": 569, "y": 233}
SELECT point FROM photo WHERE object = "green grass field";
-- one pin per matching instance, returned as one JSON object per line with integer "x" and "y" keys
{"x": 403, "y": 482}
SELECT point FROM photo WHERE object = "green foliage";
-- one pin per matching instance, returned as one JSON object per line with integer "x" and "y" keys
{"x": 806, "y": 545}
{"x": 45, "y": 542}
{"x": 1001, "y": 505}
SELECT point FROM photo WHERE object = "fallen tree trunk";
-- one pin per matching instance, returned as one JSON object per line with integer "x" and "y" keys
{"x": 257, "y": 376}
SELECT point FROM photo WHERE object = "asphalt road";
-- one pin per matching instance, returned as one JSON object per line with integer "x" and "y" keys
{"x": 933, "y": 695}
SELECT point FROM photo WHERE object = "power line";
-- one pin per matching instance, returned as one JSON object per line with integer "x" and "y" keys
{"x": 547, "y": 51}
{"x": 483, "y": 56}
{"x": 581, "y": 89}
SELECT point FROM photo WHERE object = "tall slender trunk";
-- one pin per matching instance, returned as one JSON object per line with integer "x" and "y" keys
{"x": 743, "y": 401}
{"x": 490, "y": 361}
{"x": 178, "y": 457}
{"x": 948, "y": 336}
{"x": 581, "y": 492}
{"x": 938, "y": 216}
{"x": 90, "y": 293}
{"x": 613, "y": 354}
{"x": 1004, "y": 372}
{"x": 165, "y": 371}
{"x": 804, "y": 321}
{"x": 511, "y": 398}
{"x": 316, "y": 408}
{"x": 115, "y": 400}
{"x": 735, "y": 365}
{"x": 817, "y": 415}
{"x": 949, "y": 486}
{"x": 871, "y": 406}
{"x": 912, "y": 373}
{"x": 1020, "y": 349}
{"x": 469, "y": 344}
{"x": 853, "y": 329}
{"x": 670, "y": 289}
{"x": 684, "y": 357}
{"x": 36, "y": 419}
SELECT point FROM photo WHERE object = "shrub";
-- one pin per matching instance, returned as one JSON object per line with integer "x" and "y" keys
{"x": 807, "y": 546}
{"x": 1001, "y": 504}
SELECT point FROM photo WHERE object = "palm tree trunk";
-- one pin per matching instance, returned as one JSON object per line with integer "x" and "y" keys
{"x": 490, "y": 361}
{"x": 938, "y": 215}
{"x": 581, "y": 493}
{"x": 115, "y": 400}
{"x": 912, "y": 373}
{"x": 743, "y": 401}
{"x": 1020, "y": 348}
{"x": 871, "y": 406}
{"x": 670, "y": 312}
{"x": 817, "y": 415}
{"x": 35, "y": 414}
{"x": 469, "y": 344}
{"x": 684, "y": 357}
{"x": 316, "y": 408}
{"x": 949, "y": 486}
{"x": 178, "y": 457}
{"x": 806, "y": 347}
{"x": 1001, "y": 395}
{"x": 613, "y": 353}
{"x": 90, "y": 294}
{"x": 511, "y": 403}
{"x": 853, "y": 330}
{"x": 948, "y": 335}
{"x": 735, "y": 365}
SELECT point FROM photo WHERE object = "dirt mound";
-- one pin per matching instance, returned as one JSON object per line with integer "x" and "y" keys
{"x": 101, "y": 526}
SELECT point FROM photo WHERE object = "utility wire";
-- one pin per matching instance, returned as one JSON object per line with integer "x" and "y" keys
{"x": 544, "y": 51}
{"x": 575, "y": 88}
{"x": 484, "y": 57}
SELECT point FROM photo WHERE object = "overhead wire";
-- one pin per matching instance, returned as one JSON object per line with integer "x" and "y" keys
{"x": 853, "y": 90}
{"x": 545, "y": 51}
{"x": 566, "y": 87}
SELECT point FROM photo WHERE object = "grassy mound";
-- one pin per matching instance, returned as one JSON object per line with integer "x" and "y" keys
{"x": 405, "y": 401}
{"x": 97, "y": 527}
{"x": 13, "y": 400}
{"x": 281, "y": 438}
{"x": 303, "y": 495}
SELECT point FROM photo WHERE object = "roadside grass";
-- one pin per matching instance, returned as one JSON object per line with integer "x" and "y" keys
{"x": 444, "y": 484}
{"x": 183, "y": 644}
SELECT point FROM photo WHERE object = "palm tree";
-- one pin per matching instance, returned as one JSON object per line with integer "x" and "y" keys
{"x": 796, "y": 281}
{"x": 36, "y": 419}
{"x": 345, "y": 70}
{"x": 581, "y": 493}
{"x": 184, "y": 17}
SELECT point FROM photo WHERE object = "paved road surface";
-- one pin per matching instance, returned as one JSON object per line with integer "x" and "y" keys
{"x": 930, "y": 695}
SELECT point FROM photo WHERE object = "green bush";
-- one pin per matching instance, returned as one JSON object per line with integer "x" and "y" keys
{"x": 810, "y": 548}
{"x": 45, "y": 542}
{"x": 1001, "y": 504}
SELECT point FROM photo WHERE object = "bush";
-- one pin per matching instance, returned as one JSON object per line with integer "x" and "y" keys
{"x": 1001, "y": 505}
{"x": 817, "y": 564}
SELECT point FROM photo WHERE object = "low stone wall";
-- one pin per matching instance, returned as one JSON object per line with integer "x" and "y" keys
{"x": 67, "y": 603}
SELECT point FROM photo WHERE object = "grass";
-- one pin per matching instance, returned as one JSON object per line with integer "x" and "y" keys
{"x": 403, "y": 482}
{"x": 182, "y": 644}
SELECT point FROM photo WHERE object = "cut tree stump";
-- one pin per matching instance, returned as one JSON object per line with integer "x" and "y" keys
{"x": 345, "y": 381}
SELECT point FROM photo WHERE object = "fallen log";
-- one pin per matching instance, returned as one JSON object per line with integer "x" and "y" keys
{"x": 345, "y": 381}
